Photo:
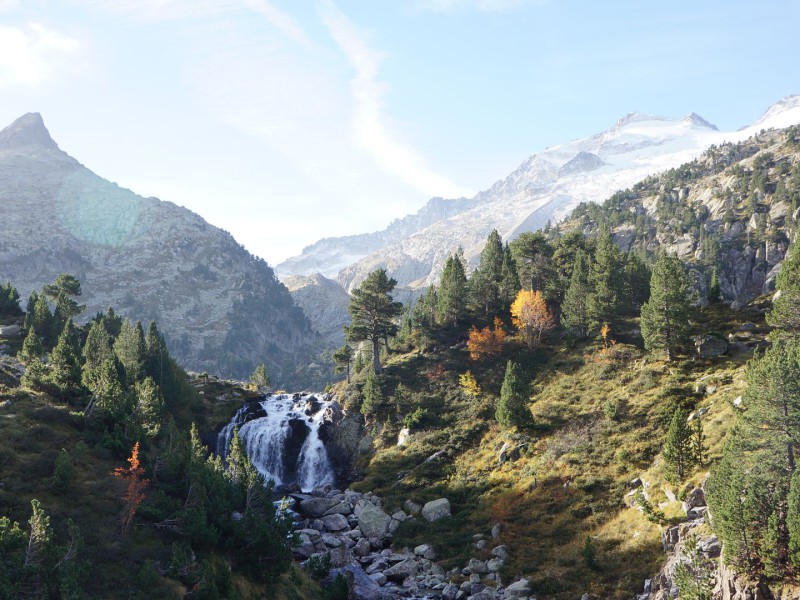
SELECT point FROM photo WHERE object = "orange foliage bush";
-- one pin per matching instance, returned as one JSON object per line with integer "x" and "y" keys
{"x": 486, "y": 341}
{"x": 136, "y": 486}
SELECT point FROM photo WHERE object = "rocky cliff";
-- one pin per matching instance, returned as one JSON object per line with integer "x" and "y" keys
{"x": 221, "y": 308}
{"x": 325, "y": 302}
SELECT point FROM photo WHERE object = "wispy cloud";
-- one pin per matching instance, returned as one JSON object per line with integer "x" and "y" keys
{"x": 447, "y": 6}
{"x": 32, "y": 53}
{"x": 8, "y": 5}
{"x": 372, "y": 129}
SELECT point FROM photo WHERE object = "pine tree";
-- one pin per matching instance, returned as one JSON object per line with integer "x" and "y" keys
{"x": 512, "y": 407}
{"x": 452, "y": 292}
{"x": 9, "y": 300}
{"x": 106, "y": 382}
{"x": 484, "y": 285}
{"x": 372, "y": 402}
{"x": 533, "y": 254}
{"x": 39, "y": 540}
{"x": 785, "y": 313}
{"x": 606, "y": 283}
{"x": 149, "y": 407}
{"x": 260, "y": 377}
{"x": 637, "y": 283}
{"x": 372, "y": 313}
{"x": 31, "y": 347}
{"x": 793, "y": 519}
{"x": 97, "y": 347}
{"x": 130, "y": 350}
{"x": 678, "y": 449}
{"x": 665, "y": 317}
{"x": 65, "y": 362}
{"x": 41, "y": 320}
{"x": 160, "y": 366}
{"x": 714, "y": 290}
{"x": 575, "y": 309}
{"x": 343, "y": 359}
{"x": 61, "y": 293}
{"x": 509, "y": 280}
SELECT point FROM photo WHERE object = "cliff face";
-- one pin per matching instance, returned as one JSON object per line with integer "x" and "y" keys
{"x": 221, "y": 309}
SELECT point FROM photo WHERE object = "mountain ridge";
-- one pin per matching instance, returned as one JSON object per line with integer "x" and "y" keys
{"x": 636, "y": 146}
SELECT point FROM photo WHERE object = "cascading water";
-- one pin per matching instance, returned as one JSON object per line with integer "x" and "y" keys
{"x": 281, "y": 436}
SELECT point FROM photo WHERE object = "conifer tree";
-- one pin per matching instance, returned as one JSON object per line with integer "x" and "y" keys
{"x": 563, "y": 261}
{"x": 512, "y": 407}
{"x": 372, "y": 313}
{"x": 452, "y": 292}
{"x": 533, "y": 254}
{"x": 372, "y": 402}
{"x": 714, "y": 290}
{"x": 65, "y": 362}
{"x": 160, "y": 366}
{"x": 793, "y": 519}
{"x": 61, "y": 293}
{"x": 785, "y": 313}
{"x": 97, "y": 347}
{"x": 575, "y": 309}
{"x": 484, "y": 284}
{"x": 9, "y": 300}
{"x": 107, "y": 384}
{"x": 41, "y": 319}
{"x": 509, "y": 280}
{"x": 678, "y": 448}
{"x": 149, "y": 407}
{"x": 665, "y": 317}
{"x": 605, "y": 278}
{"x": 130, "y": 350}
{"x": 637, "y": 283}
{"x": 260, "y": 377}
{"x": 343, "y": 359}
{"x": 31, "y": 347}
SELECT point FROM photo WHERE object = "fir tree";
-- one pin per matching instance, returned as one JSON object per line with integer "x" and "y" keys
{"x": 130, "y": 350}
{"x": 509, "y": 280}
{"x": 665, "y": 317}
{"x": 107, "y": 384}
{"x": 574, "y": 309}
{"x": 793, "y": 519}
{"x": 149, "y": 407}
{"x": 785, "y": 313}
{"x": 637, "y": 283}
{"x": 512, "y": 407}
{"x": 714, "y": 290}
{"x": 65, "y": 362}
{"x": 41, "y": 320}
{"x": 372, "y": 313}
{"x": 678, "y": 449}
{"x": 452, "y": 292}
{"x": 159, "y": 365}
{"x": 485, "y": 282}
{"x": 372, "y": 402}
{"x": 97, "y": 347}
{"x": 605, "y": 278}
{"x": 9, "y": 300}
{"x": 260, "y": 377}
{"x": 31, "y": 347}
{"x": 533, "y": 254}
{"x": 62, "y": 293}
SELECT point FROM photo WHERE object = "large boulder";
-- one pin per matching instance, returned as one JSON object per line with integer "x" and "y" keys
{"x": 436, "y": 509}
{"x": 316, "y": 507}
{"x": 399, "y": 572}
{"x": 362, "y": 587}
{"x": 710, "y": 346}
{"x": 373, "y": 522}
{"x": 519, "y": 589}
{"x": 10, "y": 331}
{"x": 335, "y": 522}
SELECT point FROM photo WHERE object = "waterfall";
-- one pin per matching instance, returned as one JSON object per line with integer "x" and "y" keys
{"x": 281, "y": 436}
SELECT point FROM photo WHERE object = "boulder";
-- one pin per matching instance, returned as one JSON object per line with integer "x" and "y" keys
{"x": 373, "y": 522}
{"x": 362, "y": 547}
{"x": 10, "y": 331}
{"x": 694, "y": 499}
{"x": 500, "y": 552}
{"x": 436, "y": 509}
{"x": 495, "y": 564}
{"x": 449, "y": 592}
{"x": 413, "y": 508}
{"x": 335, "y": 522}
{"x": 399, "y": 572}
{"x": 710, "y": 346}
{"x": 403, "y": 436}
{"x": 477, "y": 567}
{"x": 316, "y": 507}
{"x": 519, "y": 589}
{"x": 362, "y": 587}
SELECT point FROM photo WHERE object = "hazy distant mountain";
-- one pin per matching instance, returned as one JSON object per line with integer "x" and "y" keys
{"x": 325, "y": 302}
{"x": 546, "y": 186}
{"x": 221, "y": 309}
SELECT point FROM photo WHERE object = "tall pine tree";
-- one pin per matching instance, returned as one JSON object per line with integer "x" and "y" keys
{"x": 485, "y": 282}
{"x": 575, "y": 309}
{"x": 665, "y": 316}
{"x": 512, "y": 407}
{"x": 372, "y": 313}
{"x": 606, "y": 281}
{"x": 452, "y": 292}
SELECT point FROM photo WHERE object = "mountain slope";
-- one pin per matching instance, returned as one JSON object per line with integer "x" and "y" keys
{"x": 546, "y": 187}
{"x": 221, "y": 309}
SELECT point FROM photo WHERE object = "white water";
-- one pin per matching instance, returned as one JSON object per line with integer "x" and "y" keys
{"x": 264, "y": 439}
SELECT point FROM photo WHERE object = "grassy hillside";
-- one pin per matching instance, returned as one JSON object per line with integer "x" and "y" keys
{"x": 600, "y": 421}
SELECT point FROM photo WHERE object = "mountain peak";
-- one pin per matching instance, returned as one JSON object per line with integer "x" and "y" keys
{"x": 695, "y": 119}
{"x": 28, "y": 130}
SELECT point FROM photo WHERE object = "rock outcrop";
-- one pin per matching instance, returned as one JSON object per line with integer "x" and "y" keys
{"x": 221, "y": 309}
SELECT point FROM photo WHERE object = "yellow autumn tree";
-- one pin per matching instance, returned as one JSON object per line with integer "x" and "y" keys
{"x": 469, "y": 385}
{"x": 531, "y": 316}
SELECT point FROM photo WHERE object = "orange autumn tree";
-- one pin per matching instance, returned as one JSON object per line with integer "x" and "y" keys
{"x": 136, "y": 485}
{"x": 530, "y": 315}
{"x": 486, "y": 341}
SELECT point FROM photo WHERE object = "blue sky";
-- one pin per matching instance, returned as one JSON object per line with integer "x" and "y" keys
{"x": 286, "y": 121}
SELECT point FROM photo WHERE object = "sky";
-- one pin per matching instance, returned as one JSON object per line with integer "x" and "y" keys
{"x": 286, "y": 121}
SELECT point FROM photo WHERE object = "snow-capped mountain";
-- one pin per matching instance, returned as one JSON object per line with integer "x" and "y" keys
{"x": 546, "y": 187}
